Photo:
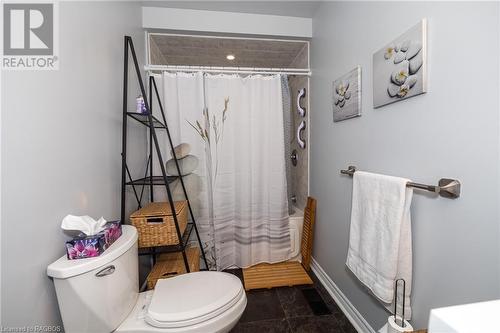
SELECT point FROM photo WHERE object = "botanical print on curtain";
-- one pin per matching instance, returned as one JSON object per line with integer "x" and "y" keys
{"x": 250, "y": 208}
{"x": 183, "y": 102}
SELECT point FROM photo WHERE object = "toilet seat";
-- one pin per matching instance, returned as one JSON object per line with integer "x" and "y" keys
{"x": 191, "y": 299}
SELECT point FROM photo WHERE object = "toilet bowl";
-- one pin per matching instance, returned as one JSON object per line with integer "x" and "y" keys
{"x": 213, "y": 303}
{"x": 101, "y": 295}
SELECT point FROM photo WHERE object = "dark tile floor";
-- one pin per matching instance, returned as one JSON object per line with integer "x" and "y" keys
{"x": 299, "y": 309}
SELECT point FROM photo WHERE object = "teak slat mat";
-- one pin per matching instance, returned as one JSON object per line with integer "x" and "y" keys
{"x": 307, "y": 233}
{"x": 283, "y": 274}
{"x": 289, "y": 273}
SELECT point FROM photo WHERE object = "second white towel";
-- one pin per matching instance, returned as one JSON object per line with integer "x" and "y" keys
{"x": 380, "y": 235}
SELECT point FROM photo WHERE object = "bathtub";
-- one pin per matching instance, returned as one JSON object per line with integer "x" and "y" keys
{"x": 296, "y": 223}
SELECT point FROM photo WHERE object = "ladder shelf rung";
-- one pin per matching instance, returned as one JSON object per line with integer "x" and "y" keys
{"x": 144, "y": 119}
{"x": 155, "y": 180}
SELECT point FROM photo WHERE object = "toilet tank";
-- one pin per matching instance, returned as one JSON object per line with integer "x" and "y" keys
{"x": 97, "y": 294}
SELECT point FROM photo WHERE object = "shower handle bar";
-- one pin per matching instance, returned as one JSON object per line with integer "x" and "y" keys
{"x": 447, "y": 188}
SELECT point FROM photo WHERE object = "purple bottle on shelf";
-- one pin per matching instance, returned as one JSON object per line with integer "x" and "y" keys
{"x": 140, "y": 105}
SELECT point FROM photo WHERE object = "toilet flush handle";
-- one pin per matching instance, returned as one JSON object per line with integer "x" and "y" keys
{"x": 106, "y": 271}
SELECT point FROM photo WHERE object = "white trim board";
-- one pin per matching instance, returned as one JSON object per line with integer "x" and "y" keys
{"x": 356, "y": 319}
{"x": 225, "y": 22}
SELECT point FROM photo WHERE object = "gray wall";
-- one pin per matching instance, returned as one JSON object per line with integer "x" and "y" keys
{"x": 61, "y": 144}
{"x": 452, "y": 131}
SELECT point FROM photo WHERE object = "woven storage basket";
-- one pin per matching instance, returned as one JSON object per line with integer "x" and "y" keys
{"x": 172, "y": 264}
{"x": 155, "y": 223}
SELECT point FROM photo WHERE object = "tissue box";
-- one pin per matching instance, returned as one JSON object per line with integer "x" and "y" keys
{"x": 95, "y": 245}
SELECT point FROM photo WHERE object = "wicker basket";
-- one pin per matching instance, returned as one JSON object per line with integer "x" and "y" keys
{"x": 155, "y": 223}
{"x": 172, "y": 264}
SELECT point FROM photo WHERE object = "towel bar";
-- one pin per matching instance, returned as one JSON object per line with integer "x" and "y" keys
{"x": 447, "y": 188}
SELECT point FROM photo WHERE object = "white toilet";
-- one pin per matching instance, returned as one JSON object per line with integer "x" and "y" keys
{"x": 102, "y": 295}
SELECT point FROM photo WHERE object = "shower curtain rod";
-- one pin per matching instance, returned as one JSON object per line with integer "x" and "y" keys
{"x": 236, "y": 70}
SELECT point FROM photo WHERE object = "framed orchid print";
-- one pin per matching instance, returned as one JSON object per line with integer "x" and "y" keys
{"x": 400, "y": 67}
{"x": 347, "y": 95}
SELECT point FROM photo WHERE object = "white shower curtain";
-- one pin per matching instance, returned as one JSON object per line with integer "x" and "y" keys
{"x": 183, "y": 103}
{"x": 241, "y": 192}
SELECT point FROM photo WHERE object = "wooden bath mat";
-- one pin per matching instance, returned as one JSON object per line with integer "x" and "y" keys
{"x": 283, "y": 274}
{"x": 288, "y": 273}
{"x": 307, "y": 233}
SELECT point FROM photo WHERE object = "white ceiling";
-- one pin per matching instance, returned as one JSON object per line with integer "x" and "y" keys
{"x": 282, "y": 8}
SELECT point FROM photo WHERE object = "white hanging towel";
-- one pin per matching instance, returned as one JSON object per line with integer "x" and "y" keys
{"x": 380, "y": 236}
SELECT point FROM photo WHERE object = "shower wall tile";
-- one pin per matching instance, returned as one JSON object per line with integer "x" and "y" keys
{"x": 300, "y": 172}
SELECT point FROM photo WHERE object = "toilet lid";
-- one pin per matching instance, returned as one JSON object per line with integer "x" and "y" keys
{"x": 192, "y": 298}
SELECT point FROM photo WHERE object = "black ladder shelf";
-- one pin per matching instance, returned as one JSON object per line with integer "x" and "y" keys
{"x": 152, "y": 123}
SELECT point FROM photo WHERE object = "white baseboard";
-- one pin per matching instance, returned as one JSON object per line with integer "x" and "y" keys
{"x": 356, "y": 319}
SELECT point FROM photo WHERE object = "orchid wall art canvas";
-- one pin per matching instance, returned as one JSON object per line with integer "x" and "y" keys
{"x": 347, "y": 95}
{"x": 399, "y": 68}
